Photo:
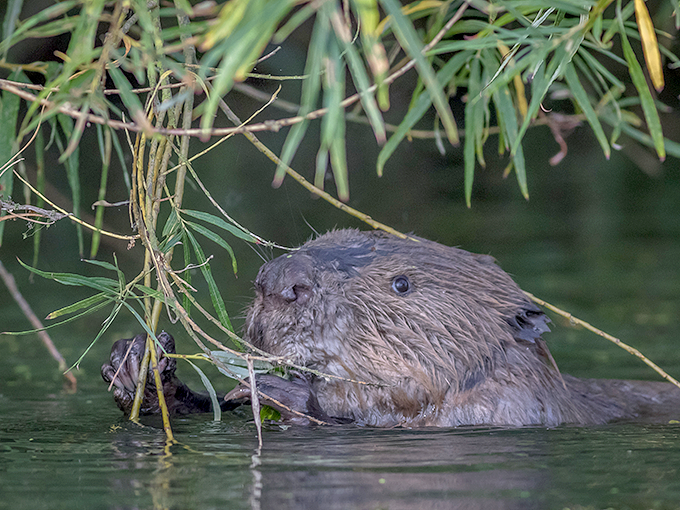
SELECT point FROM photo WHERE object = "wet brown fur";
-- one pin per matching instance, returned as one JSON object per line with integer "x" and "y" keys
{"x": 462, "y": 347}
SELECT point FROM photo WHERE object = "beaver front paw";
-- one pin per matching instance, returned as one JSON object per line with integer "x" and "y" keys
{"x": 295, "y": 400}
{"x": 123, "y": 371}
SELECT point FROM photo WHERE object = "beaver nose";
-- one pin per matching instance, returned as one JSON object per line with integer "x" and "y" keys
{"x": 286, "y": 279}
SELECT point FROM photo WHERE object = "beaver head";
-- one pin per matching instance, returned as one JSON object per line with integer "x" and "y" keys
{"x": 438, "y": 335}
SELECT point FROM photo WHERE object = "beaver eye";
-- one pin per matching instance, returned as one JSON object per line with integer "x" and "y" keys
{"x": 401, "y": 285}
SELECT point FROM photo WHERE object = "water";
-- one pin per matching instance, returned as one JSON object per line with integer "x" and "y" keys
{"x": 74, "y": 451}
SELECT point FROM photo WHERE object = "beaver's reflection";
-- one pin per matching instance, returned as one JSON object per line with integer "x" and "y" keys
{"x": 402, "y": 469}
{"x": 331, "y": 467}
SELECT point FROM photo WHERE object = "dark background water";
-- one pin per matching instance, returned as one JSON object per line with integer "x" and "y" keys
{"x": 598, "y": 238}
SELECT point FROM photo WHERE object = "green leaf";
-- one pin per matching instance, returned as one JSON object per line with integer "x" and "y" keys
{"x": 672, "y": 148}
{"x": 219, "y": 222}
{"x": 420, "y": 107}
{"x": 216, "y": 239}
{"x": 217, "y": 410}
{"x": 472, "y": 118}
{"x": 318, "y": 49}
{"x": 101, "y": 263}
{"x": 86, "y": 303}
{"x": 51, "y": 12}
{"x": 583, "y": 101}
{"x": 508, "y": 124}
{"x": 130, "y": 100}
{"x": 13, "y": 9}
{"x": 359, "y": 76}
{"x": 238, "y": 52}
{"x": 333, "y": 126}
{"x": 152, "y": 293}
{"x": 94, "y": 282}
{"x": 9, "y": 112}
{"x": 646, "y": 99}
{"x": 238, "y": 366}
{"x": 215, "y": 296}
{"x": 409, "y": 40}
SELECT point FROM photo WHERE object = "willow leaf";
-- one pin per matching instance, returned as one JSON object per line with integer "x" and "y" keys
{"x": 216, "y": 239}
{"x": 646, "y": 99}
{"x": 215, "y": 296}
{"x": 94, "y": 282}
{"x": 318, "y": 49}
{"x": 86, "y": 303}
{"x": 409, "y": 40}
{"x": 419, "y": 108}
{"x": 219, "y": 222}
{"x": 217, "y": 410}
{"x": 583, "y": 101}
{"x": 472, "y": 118}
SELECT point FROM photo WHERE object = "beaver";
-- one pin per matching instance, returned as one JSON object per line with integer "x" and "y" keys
{"x": 401, "y": 332}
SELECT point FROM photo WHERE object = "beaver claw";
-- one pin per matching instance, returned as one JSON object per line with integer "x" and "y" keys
{"x": 122, "y": 371}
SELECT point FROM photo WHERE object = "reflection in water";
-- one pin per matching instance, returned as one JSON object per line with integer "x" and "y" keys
{"x": 401, "y": 469}
{"x": 75, "y": 458}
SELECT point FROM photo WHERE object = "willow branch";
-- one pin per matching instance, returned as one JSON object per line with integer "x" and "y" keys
{"x": 589, "y": 327}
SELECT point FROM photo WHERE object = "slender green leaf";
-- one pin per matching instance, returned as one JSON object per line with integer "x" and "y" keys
{"x": 172, "y": 224}
{"x": 219, "y": 222}
{"x": 359, "y": 75}
{"x": 239, "y": 51}
{"x": 13, "y": 9}
{"x": 472, "y": 118}
{"x": 152, "y": 293}
{"x": 318, "y": 49}
{"x": 419, "y": 108}
{"x": 583, "y": 101}
{"x": 51, "y": 12}
{"x": 297, "y": 19}
{"x": 39, "y": 146}
{"x": 94, "y": 282}
{"x": 217, "y": 410}
{"x": 408, "y": 38}
{"x": 216, "y": 239}
{"x": 508, "y": 124}
{"x": 672, "y": 148}
{"x": 238, "y": 365}
{"x": 130, "y": 100}
{"x": 646, "y": 99}
{"x": 76, "y": 317}
{"x": 333, "y": 126}
{"x": 9, "y": 112}
{"x": 186, "y": 275}
{"x": 101, "y": 263}
{"x": 215, "y": 296}
{"x": 86, "y": 303}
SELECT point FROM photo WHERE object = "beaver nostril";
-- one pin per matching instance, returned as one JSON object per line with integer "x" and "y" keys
{"x": 298, "y": 293}
{"x": 288, "y": 294}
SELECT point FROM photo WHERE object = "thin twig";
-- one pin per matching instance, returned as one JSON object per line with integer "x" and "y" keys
{"x": 71, "y": 216}
{"x": 589, "y": 327}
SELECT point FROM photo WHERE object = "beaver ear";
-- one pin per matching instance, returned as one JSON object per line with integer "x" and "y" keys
{"x": 529, "y": 324}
